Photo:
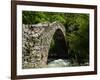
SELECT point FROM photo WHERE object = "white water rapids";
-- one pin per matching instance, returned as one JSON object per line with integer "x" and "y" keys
{"x": 59, "y": 63}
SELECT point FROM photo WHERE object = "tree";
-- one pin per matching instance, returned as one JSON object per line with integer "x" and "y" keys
{"x": 77, "y": 30}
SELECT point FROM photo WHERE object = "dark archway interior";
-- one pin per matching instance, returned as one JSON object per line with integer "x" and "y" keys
{"x": 58, "y": 48}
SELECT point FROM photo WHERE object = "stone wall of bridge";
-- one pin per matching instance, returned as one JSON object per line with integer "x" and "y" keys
{"x": 36, "y": 40}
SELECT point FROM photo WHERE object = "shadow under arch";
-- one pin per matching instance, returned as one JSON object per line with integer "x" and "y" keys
{"x": 58, "y": 47}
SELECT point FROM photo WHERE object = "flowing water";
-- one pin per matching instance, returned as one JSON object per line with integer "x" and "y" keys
{"x": 63, "y": 63}
{"x": 59, "y": 63}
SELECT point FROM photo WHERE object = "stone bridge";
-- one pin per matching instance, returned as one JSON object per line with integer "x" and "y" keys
{"x": 36, "y": 40}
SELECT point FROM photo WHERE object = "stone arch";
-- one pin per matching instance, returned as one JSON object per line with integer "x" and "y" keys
{"x": 42, "y": 37}
{"x": 59, "y": 50}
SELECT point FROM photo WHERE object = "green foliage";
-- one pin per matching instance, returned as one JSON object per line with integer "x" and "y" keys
{"x": 30, "y": 17}
{"x": 77, "y": 30}
{"x": 79, "y": 38}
